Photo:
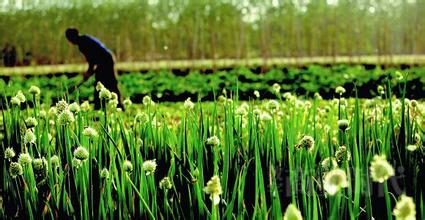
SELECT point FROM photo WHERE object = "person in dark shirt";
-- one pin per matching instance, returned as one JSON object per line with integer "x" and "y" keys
{"x": 9, "y": 55}
{"x": 27, "y": 59}
{"x": 100, "y": 60}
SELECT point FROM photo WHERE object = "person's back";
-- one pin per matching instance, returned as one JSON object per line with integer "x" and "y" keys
{"x": 94, "y": 50}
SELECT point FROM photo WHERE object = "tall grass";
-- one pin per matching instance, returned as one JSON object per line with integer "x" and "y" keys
{"x": 260, "y": 158}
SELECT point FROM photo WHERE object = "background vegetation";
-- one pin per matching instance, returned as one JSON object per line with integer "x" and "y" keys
{"x": 164, "y": 85}
{"x": 193, "y": 29}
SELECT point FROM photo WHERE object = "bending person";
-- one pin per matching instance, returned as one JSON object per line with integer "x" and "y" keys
{"x": 100, "y": 60}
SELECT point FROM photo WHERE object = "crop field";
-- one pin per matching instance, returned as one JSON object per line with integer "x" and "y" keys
{"x": 263, "y": 158}
{"x": 212, "y": 109}
{"x": 166, "y": 85}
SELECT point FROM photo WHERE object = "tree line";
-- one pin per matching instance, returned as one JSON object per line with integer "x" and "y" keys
{"x": 212, "y": 29}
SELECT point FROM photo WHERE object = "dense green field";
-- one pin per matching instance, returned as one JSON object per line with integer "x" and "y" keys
{"x": 164, "y": 85}
{"x": 291, "y": 156}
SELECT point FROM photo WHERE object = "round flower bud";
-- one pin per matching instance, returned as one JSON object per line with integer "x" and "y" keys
{"x": 335, "y": 180}
{"x": 417, "y": 138}
{"x": 114, "y": 96}
{"x": 257, "y": 112}
{"x": 31, "y": 122}
{"x": 15, "y": 101}
{"x": 99, "y": 86}
{"x": 39, "y": 165}
{"x": 104, "y": 174}
{"x": 306, "y": 142}
{"x": 317, "y": 96}
{"x": 287, "y": 96}
{"x": 76, "y": 162}
{"x": 292, "y": 213}
{"x": 340, "y": 90}
{"x": 380, "y": 169}
{"x": 228, "y": 101}
{"x": 90, "y": 132}
{"x": 74, "y": 107}
{"x": 264, "y": 116}
{"x": 66, "y": 117}
{"x": 81, "y": 153}
{"x": 113, "y": 103}
{"x": 104, "y": 94}
{"x": 127, "y": 166}
{"x": 213, "y": 141}
{"x": 147, "y": 101}
{"x": 272, "y": 105}
{"x": 29, "y": 137}
{"x": 414, "y": 103}
{"x": 257, "y": 94}
{"x": 343, "y": 124}
{"x": 411, "y": 147}
{"x": 405, "y": 208}
{"x": 141, "y": 118}
{"x": 21, "y": 96}
{"x": 43, "y": 114}
{"x": 342, "y": 154}
{"x": 149, "y": 166}
{"x": 242, "y": 111}
{"x": 165, "y": 184}
{"x": 221, "y": 99}
{"x": 213, "y": 188}
{"x": 328, "y": 164}
{"x": 399, "y": 75}
{"x": 276, "y": 88}
{"x": 34, "y": 90}
{"x": 85, "y": 106}
{"x": 53, "y": 111}
{"x": 24, "y": 159}
{"x": 127, "y": 102}
{"x": 61, "y": 106}
{"x": 381, "y": 90}
{"x": 9, "y": 153}
{"x": 188, "y": 105}
{"x": 54, "y": 160}
{"x": 15, "y": 169}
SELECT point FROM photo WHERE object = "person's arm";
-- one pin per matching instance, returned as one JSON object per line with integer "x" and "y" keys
{"x": 89, "y": 71}
{"x": 85, "y": 49}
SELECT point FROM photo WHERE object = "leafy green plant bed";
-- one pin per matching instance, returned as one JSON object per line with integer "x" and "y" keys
{"x": 165, "y": 85}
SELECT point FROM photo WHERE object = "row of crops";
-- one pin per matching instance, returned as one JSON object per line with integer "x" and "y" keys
{"x": 291, "y": 156}
{"x": 168, "y": 86}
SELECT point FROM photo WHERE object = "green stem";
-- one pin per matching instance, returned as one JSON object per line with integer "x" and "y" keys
{"x": 141, "y": 198}
{"x": 387, "y": 201}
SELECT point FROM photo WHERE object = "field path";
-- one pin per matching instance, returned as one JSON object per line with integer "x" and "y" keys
{"x": 218, "y": 63}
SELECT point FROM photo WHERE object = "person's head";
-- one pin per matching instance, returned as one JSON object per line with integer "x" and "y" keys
{"x": 72, "y": 35}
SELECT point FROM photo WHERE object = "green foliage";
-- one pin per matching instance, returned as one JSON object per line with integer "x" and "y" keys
{"x": 164, "y": 85}
{"x": 223, "y": 159}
